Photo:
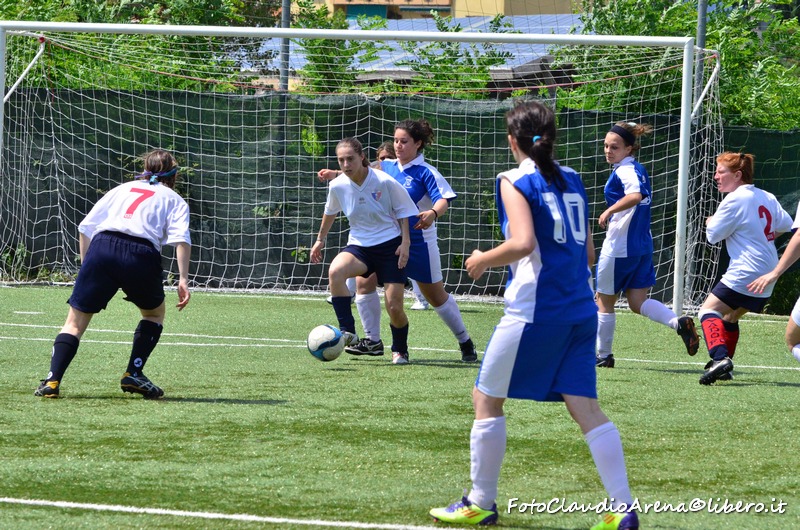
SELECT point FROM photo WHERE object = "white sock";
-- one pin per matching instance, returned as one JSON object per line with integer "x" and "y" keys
{"x": 351, "y": 285}
{"x": 369, "y": 309}
{"x": 606, "y": 448}
{"x": 796, "y": 352}
{"x": 487, "y": 443}
{"x": 606, "y": 322}
{"x": 658, "y": 312}
{"x": 417, "y": 293}
{"x": 451, "y": 315}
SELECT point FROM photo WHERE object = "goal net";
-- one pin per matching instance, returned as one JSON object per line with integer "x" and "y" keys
{"x": 252, "y": 116}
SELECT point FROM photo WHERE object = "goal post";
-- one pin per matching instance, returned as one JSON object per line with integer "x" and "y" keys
{"x": 102, "y": 94}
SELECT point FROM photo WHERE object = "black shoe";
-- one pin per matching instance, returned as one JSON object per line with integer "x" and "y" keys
{"x": 140, "y": 384}
{"x": 468, "y": 353}
{"x": 47, "y": 389}
{"x": 688, "y": 333}
{"x": 724, "y": 377}
{"x": 604, "y": 362}
{"x": 366, "y": 346}
{"x": 716, "y": 371}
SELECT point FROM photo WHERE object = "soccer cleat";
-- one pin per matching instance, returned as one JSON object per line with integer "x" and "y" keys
{"x": 464, "y": 512}
{"x": 723, "y": 377}
{"x": 366, "y": 347}
{"x": 688, "y": 333}
{"x": 618, "y": 521}
{"x": 140, "y": 384}
{"x": 604, "y": 362}
{"x": 400, "y": 358}
{"x": 420, "y": 305}
{"x": 716, "y": 371}
{"x": 47, "y": 389}
{"x": 468, "y": 353}
{"x": 349, "y": 338}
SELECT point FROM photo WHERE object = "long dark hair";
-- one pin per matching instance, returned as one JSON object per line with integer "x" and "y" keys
{"x": 420, "y": 130}
{"x": 533, "y": 126}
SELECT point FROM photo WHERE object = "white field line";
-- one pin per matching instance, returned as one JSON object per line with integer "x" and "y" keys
{"x": 207, "y": 515}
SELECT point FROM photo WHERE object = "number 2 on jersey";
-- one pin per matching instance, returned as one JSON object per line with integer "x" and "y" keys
{"x": 575, "y": 215}
{"x": 763, "y": 213}
{"x": 144, "y": 195}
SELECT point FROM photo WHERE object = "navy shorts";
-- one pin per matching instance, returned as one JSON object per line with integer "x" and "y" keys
{"x": 735, "y": 300}
{"x": 381, "y": 260}
{"x": 118, "y": 261}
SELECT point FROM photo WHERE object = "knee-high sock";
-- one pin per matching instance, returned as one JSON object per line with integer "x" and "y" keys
{"x": 606, "y": 322}
{"x": 417, "y": 293}
{"x": 399, "y": 339}
{"x": 487, "y": 443}
{"x": 796, "y": 352}
{"x": 145, "y": 339}
{"x": 64, "y": 349}
{"x": 351, "y": 285}
{"x": 344, "y": 313}
{"x": 451, "y": 316}
{"x": 658, "y": 312}
{"x": 714, "y": 334}
{"x": 731, "y": 336}
{"x": 369, "y": 310}
{"x": 606, "y": 448}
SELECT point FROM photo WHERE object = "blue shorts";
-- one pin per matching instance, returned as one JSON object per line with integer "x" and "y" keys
{"x": 424, "y": 262}
{"x": 118, "y": 261}
{"x": 540, "y": 361}
{"x": 735, "y": 300}
{"x": 615, "y": 275}
{"x": 380, "y": 259}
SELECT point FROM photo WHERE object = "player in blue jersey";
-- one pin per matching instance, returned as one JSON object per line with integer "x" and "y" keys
{"x": 432, "y": 194}
{"x": 120, "y": 246}
{"x": 543, "y": 347}
{"x": 378, "y": 211}
{"x": 626, "y": 258}
{"x": 748, "y": 219}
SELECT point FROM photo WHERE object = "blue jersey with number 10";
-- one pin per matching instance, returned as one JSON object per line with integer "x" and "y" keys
{"x": 551, "y": 284}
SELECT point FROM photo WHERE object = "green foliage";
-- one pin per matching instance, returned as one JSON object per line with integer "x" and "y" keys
{"x": 301, "y": 254}
{"x": 759, "y": 50}
{"x": 312, "y": 144}
{"x": 332, "y": 65}
{"x": 451, "y": 68}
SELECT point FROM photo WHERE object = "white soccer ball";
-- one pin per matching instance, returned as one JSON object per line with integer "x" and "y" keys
{"x": 325, "y": 342}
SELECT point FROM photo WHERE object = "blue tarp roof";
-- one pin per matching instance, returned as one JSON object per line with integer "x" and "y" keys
{"x": 521, "y": 54}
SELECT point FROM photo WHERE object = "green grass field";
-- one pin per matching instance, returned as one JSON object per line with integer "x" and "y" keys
{"x": 252, "y": 425}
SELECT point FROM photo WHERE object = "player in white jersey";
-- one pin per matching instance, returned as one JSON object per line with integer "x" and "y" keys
{"x": 543, "y": 347}
{"x": 120, "y": 247}
{"x": 432, "y": 194}
{"x": 790, "y": 255}
{"x": 377, "y": 209}
{"x": 748, "y": 219}
{"x": 626, "y": 258}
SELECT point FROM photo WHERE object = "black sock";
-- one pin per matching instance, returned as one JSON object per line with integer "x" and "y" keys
{"x": 145, "y": 339}
{"x": 399, "y": 339}
{"x": 64, "y": 349}
{"x": 344, "y": 313}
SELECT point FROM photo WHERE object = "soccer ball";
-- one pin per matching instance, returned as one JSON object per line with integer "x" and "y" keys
{"x": 325, "y": 342}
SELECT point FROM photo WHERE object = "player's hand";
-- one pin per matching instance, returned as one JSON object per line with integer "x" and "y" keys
{"x": 316, "y": 252}
{"x": 758, "y": 285}
{"x": 475, "y": 267}
{"x": 603, "y": 219}
{"x": 426, "y": 219}
{"x": 324, "y": 175}
{"x": 183, "y": 295}
{"x": 402, "y": 255}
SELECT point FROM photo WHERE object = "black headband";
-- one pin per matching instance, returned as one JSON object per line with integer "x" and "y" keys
{"x": 624, "y": 133}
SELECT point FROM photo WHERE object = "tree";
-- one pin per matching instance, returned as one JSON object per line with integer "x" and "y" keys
{"x": 759, "y": 45}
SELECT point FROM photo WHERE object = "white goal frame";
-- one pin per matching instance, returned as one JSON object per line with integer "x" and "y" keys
{"x": 684, "y": 43}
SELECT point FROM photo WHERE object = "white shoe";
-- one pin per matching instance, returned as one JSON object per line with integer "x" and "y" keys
{"x": 420, "y": 305}
{"x": 399, "y": 358}
{"x": 349, "y": 338}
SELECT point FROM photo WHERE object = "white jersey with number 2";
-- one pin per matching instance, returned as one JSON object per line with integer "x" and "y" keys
{"x": 748, "y": 219}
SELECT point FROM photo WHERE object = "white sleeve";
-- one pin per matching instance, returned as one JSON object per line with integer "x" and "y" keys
{"x": 724, "y": 221}
{"x": 630, "y": 180}
{"x": 178, "y": 224}
{"x": 332, "y": 204}
{"x": 402, "y": 204}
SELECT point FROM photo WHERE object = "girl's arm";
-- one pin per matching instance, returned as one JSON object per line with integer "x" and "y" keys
{"x": 790, "y": 255}
{"x": 325, "y": 226}
{"x": 628, "y": 201}
{"x": 521, "y": 241}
